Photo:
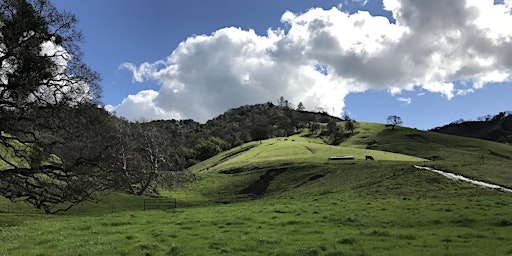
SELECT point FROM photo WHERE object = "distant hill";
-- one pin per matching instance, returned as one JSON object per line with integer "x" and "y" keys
{"x": 263, "y": 121}
{"x": 497, "y": 128}
{"x": 192, "y": 142}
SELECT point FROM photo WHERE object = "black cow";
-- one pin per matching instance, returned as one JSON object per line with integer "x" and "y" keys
{"x": 369, "y": 158}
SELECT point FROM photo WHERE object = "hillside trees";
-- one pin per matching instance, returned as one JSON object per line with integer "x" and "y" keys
{"x": 333, "y": 133}
{"x": 350, "y": 124}
{"x": 48, "y": 115}
{"x": 209, "y": 147}
{"x": 495, "y": 128}
{"x": 262, "y": 121}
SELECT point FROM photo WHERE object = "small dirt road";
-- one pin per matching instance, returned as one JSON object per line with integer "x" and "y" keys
{"x": 454, "y": 176}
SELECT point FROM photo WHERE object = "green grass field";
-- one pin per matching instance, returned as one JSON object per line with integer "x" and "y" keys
{"x": 283, "y": 197}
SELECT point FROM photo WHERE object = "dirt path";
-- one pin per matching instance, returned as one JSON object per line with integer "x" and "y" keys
{"x": 454, "y": 176}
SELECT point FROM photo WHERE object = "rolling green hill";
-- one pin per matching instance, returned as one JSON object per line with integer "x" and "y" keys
{"x": 282, "y": 196}
{"x": 476, "y": 158}
{"x": 259, "y": 168}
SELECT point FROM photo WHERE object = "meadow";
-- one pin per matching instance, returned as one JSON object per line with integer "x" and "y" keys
{"x": 283, "y": 197}
{"x": 310, "y": 224}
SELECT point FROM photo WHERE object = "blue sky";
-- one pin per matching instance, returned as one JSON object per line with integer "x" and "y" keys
{"x": 196, "y": 59}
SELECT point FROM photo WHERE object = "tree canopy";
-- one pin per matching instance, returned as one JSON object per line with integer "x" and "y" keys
{"x": 48, "y": 102}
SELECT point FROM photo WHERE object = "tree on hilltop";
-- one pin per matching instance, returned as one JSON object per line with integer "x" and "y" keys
{"x": 394, "y": 121}
{"x": 301, "y": 107}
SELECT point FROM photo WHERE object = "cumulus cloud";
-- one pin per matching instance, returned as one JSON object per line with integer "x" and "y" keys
{"x": 142, "y": 107}
{"x": 451, "y": 48}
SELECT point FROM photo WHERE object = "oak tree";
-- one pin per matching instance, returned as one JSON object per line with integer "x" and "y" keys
{"x": 51, "y": 153}
{"x": 393, "y": 121}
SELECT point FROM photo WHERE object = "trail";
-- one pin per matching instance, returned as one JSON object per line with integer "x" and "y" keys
{"x": 454, "y": 176}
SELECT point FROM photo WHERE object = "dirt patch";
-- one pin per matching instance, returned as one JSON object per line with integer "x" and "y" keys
{"x": 258, "y": 188}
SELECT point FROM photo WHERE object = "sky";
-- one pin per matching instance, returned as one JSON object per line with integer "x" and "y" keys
{"x": 429, "y": 62}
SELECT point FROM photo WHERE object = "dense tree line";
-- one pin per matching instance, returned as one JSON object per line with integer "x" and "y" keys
{"x": 495, "y": 128}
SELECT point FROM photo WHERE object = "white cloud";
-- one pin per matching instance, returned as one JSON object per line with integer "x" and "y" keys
{"x": 433, "y": 46}
{"x": 142, "y": 72}
{"x": 407, "y": 101}
{"x": 206, "y": 75}
{"x": 141, "y": 106}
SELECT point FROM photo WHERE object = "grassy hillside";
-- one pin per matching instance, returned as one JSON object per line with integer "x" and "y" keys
{"x": 475, "y": 158}
{"x": 275, "y": 166}
{"x": 283, "y": 197}
{"x": 294, "y": 149}
{"x": 428, "y": 145}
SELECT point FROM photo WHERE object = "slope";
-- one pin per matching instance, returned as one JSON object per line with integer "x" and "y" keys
{"x": 293, "y": 150}
{"x": 306, "y": 205}
{"x": 289, "y": 165}
{"x": 476, "y": 158}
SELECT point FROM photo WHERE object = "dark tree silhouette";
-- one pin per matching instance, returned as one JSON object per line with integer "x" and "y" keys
{"x": 49, "y": 120}
{"x": 394, "y": 121}
{"x": 350, "y": 124}
{"x": 300, "y": 107}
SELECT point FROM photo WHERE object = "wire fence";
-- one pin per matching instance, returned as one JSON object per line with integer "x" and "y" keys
{"x": 159, "y": 203}
{"x": 98, "y": 207}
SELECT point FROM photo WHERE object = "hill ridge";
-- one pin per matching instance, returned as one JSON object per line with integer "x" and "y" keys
{"x": 495, "y": 128}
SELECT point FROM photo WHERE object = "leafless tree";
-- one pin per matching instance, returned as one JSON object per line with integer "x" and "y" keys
{"x": 142, "y": 154}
